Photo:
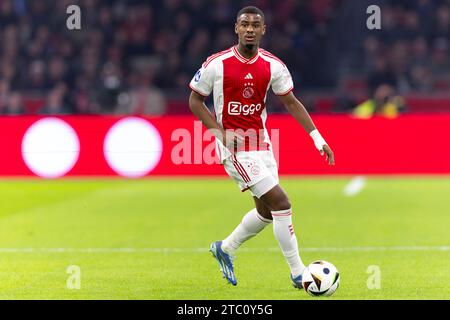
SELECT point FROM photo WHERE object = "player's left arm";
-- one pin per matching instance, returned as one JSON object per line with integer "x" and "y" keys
{"x": 298, "y": 111}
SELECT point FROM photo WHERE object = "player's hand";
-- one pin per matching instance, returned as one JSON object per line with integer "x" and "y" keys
{"x": 232, "y": 140}
{"x": 329, "y": 154}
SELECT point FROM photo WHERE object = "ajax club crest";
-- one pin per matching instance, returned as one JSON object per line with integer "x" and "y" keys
{"x": 248, "y": 87}
{"x": 248, "y": 92}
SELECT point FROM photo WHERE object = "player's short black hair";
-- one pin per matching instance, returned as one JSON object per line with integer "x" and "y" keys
{"x": 251, "y": 9}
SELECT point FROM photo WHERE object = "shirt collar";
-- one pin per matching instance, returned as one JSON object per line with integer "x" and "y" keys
{"x": 242, "y": 58}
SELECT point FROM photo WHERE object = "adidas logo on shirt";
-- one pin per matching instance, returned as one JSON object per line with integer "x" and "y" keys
{"x": 248, "y": 76}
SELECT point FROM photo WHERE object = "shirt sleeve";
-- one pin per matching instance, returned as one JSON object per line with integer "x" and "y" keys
{"x": 203, "y": 80}
{"x": 282, "y": 82}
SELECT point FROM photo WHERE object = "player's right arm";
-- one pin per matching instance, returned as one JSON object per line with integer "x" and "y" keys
{"x": 198, "y": 107}
{"x": 202, "y": 85}
{"x": 200, "y": 110}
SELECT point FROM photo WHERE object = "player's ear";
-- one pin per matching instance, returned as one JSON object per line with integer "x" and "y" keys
{"x": 236, "y": 28}
{"x": 264, "y": 29}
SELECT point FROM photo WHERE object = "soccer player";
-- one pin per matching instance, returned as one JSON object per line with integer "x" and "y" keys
{"x": 239, "y": 79}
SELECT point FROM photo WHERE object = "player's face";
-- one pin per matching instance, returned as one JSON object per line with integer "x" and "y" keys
{"x": 250, "y": 28}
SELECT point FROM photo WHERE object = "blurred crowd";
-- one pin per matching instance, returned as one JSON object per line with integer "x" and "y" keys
{"x": 135, "y": 56}
{"x": 412, "y": 46}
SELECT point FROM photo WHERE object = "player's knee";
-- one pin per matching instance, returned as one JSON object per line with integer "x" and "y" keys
{"x": 282, "y": 204}
{"x": 285, "y": 204}
{"x": 265, "y": 213}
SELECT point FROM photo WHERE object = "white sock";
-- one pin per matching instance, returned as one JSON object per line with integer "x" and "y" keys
{"x": 251, "y": 225}
{"x": 284, "y": 233}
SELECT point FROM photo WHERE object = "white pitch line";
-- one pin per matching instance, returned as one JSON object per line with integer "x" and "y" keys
{"x": 202, "y": 250}
{"x": 355, "y": 186}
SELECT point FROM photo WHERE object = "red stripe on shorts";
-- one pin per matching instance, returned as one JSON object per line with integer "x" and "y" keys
{"x": 238, "y": 169}
{"x": 245, "y": 175}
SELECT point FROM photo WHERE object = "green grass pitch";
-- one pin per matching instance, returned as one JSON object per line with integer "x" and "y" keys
{"x": 148, "y": 239}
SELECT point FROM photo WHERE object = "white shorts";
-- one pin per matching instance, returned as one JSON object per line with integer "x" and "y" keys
{"x": 256, "y": 171}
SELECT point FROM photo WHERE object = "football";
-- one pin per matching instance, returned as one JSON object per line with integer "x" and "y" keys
{"x": 320, "y": 278}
